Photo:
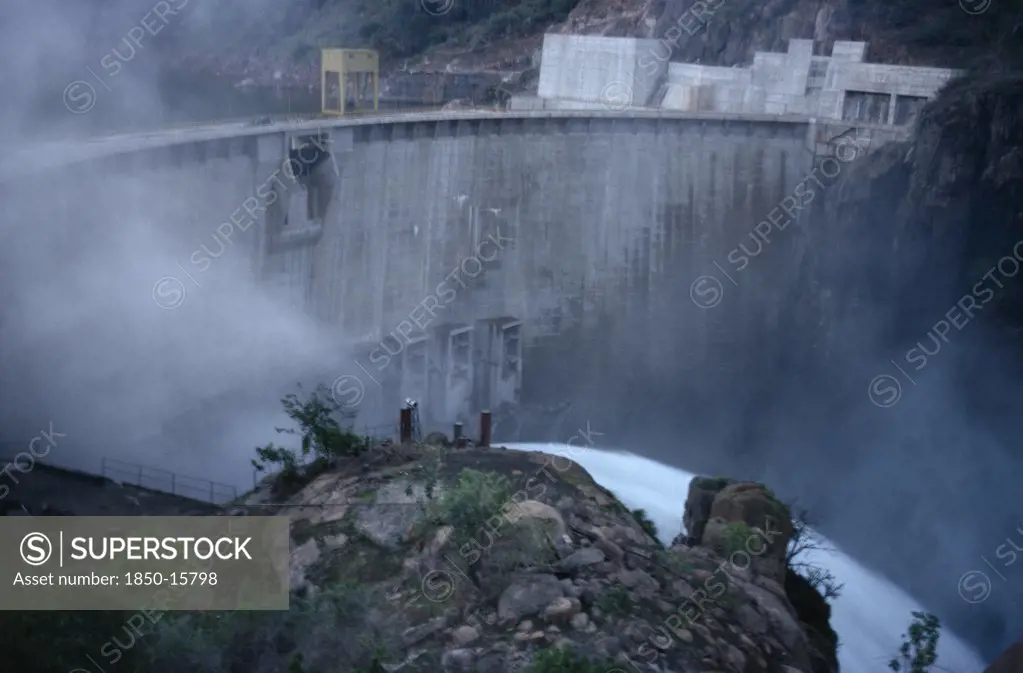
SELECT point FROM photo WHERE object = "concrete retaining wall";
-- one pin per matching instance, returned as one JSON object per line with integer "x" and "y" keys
{"x": 600, "y": 69}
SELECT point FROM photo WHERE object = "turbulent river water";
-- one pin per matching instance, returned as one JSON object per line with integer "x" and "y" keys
{"x": 870, "y": 615}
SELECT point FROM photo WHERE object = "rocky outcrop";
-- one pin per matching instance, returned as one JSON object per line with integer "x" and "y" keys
{"x": 702, "y": 491}
{"x": 539, "y": 558}
{"x": 425, "y": 559}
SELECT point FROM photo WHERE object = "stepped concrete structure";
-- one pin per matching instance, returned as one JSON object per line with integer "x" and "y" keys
{"x": 473, "y": 260}
{"x": 611, "y": 73}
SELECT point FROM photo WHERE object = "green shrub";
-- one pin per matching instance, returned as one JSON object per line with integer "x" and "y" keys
{"x": 476, "y": 497}
{"x": 289, "y": 473}
{"x": 324, "y": 426}
{"x": 919, "y": 651}
{"x": 672, "y": 561}
{"x": 342, "y": 627}
{"x": 616, "y": 600}
{"x": 645, "y": 523}
{"x": 564, "y": 660}
{"x": 737, "y": 534}
{"x": 58, "y": 642}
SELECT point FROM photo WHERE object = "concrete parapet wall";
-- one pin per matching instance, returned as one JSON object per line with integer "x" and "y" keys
{"x": 521, "y": 103}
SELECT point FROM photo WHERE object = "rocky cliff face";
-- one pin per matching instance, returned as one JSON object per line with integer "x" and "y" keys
{"x": 914, "y": 237}
{"x": 277, "y": 43}
{"x": 497, "y": 560}
{"x": 728, "y": 32}
{"x": 719, "y": 32}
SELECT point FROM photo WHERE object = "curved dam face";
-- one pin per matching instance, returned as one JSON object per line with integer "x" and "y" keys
{"x": 472, "y": 263}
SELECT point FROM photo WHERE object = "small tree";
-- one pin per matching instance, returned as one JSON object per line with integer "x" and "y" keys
{"x": 324, "y": 425}
{"x": 325, "y": 428}
{"x": 919, "y": 650}
{"x": 805, "y": 540}
{"x": 278, "y": 455}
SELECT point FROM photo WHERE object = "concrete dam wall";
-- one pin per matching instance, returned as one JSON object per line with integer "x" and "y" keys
{"x": 539, "y": 236}
{"x": 472, "y": 262}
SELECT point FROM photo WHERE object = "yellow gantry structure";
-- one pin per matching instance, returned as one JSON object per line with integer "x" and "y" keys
{"x": 356, "y": 66}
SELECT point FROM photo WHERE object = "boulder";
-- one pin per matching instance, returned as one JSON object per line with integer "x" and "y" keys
{"x": 465, "y": 635}
{"x": 702, "y": 491}
{"x": 748, "y": 526}
{"x": 534, "y": 509}
{"x": 459, "y": 660}
{"x": 528, "y": 596}
{"x": 302, "y": 557}
{"x": 437, "y": 438}
{"x": 584, "y": 557}
{"x": 561, "y": 609}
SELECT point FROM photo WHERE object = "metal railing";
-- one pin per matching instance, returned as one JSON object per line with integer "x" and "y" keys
{"x": 143, "y": 476}
{"x": 275, "y": 118}
{"x": 167, "y": 481}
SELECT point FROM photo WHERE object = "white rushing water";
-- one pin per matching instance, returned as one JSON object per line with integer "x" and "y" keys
{"x": 871, "y": 614}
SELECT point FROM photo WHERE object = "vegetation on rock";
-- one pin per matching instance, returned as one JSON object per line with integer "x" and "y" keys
{"x": 565, "y": 660}
{"x": 399, "y": 28}
{"x": 645, "y": 523}
{"x": 919, "y": 651}
{"x": 473, "y": 500}
{"x": 805, "y": 540}
{"x": 325, "y": 429}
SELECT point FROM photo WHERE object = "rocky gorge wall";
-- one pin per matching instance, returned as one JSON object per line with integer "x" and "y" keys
{"x": 909, "y": 268}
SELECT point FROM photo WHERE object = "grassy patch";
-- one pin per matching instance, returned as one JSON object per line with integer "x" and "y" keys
{"x": 340, "y": 628}
{"x": 472, "y": 500}
{"x": 359, "y": 560}
{"x": 737, "y": 534}
{"x": 713, "y": 483}
{"x": 616, "y": 601}
{"x": 564, "y": 660}
{"x": 673, "y": 562}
